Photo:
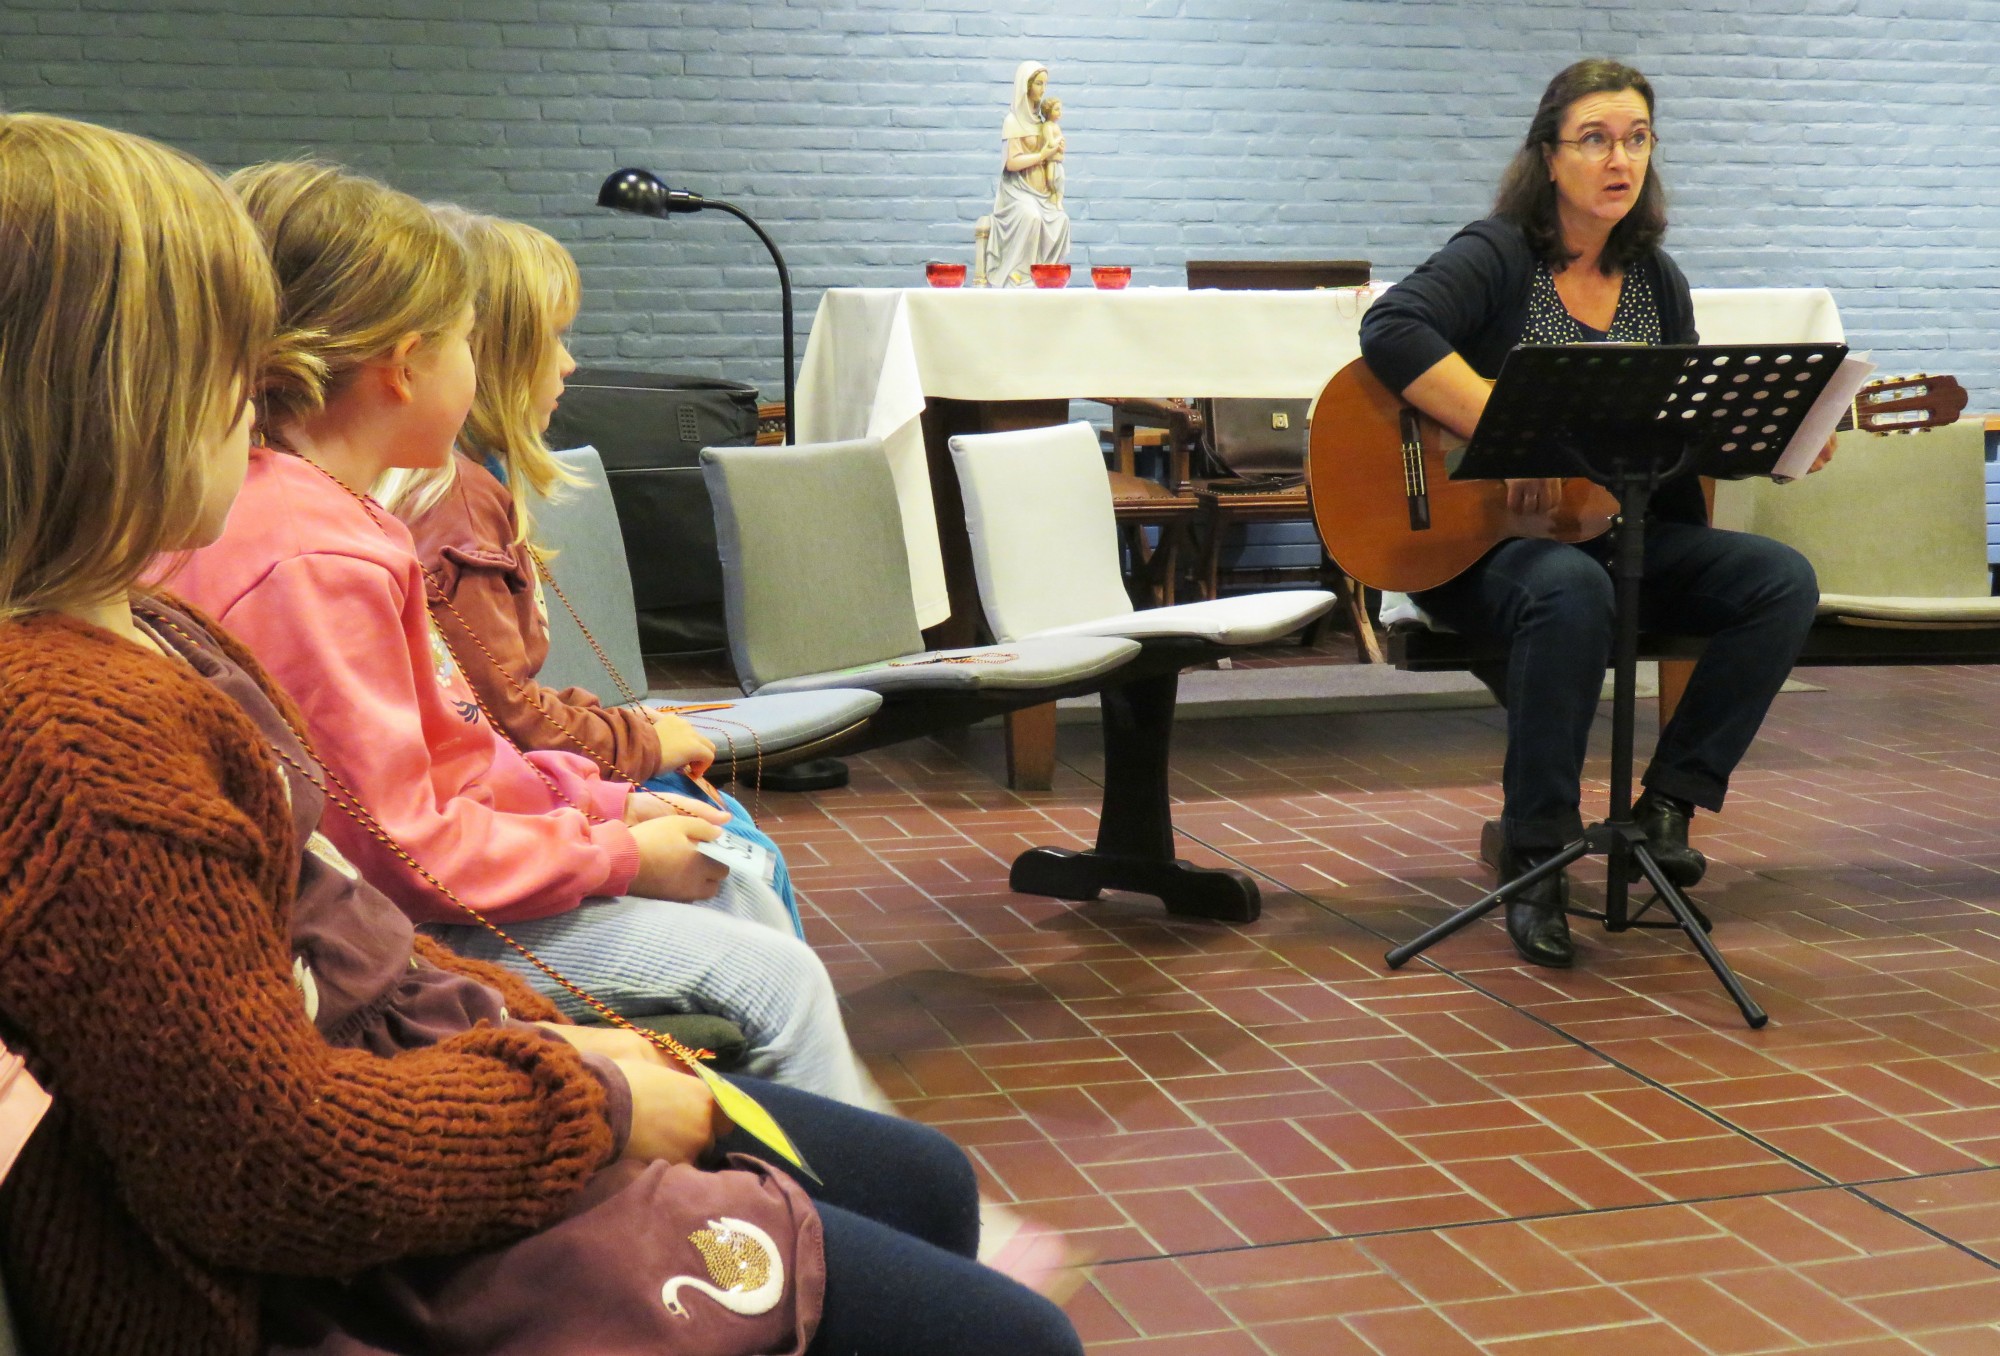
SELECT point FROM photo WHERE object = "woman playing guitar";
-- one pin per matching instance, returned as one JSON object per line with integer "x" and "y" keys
{"x": 1570, "y": 255}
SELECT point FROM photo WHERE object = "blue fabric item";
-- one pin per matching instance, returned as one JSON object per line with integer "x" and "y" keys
{"x": 901, "y": 1211}
{"x": 742, "y": 826}
{"x": 729, "y": 956}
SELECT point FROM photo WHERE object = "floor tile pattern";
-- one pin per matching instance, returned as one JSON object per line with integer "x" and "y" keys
{"x": 1270, "y": 1144}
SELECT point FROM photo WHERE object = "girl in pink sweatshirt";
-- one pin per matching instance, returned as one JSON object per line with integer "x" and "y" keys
{"x": 372, "y": 372}
{"x": 472, "y": 522}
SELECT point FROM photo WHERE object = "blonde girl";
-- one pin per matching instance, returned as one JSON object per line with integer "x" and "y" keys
{"x": 280, "y": 1120}
{"x": 372, "y": 370}
{"x": 471, "y": 521}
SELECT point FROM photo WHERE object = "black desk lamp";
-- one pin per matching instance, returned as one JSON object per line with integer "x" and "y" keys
{"x": 642, "y": 193}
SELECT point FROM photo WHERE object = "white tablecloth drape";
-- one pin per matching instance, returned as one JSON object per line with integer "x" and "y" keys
{"x": 876, "y": 354}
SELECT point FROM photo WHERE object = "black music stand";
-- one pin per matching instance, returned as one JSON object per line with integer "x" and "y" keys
{"x": 1629, "y": 418}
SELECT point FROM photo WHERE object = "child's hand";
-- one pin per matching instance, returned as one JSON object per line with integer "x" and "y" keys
{"x": 669, "y": 867}
{"x": 643, "y": 805}
{"x": 674, "y": 1116}
{"x": 615, "y": 1043}
{"x": 682, "y": 747}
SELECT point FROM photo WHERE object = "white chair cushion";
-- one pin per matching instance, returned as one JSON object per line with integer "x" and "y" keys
{"x": 776, "y": 723}
{"x": 1044, "y": 541}
{"x": 1017, "y": 664}
{"x": 1251, "y": 619}
{"x": 1911, "y": 611}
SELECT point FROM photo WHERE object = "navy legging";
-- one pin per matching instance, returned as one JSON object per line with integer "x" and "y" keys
{"x": 901, "y": 1212}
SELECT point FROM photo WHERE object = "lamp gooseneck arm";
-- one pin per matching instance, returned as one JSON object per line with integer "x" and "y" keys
{"x": 785, "y": 298}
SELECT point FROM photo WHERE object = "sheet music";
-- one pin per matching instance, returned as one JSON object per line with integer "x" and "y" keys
{"x": 1835, "y": 399}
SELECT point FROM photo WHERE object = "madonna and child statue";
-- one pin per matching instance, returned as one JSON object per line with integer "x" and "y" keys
{"x": 1029, "y": 223}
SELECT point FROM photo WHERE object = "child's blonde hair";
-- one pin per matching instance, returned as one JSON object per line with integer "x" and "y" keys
{"x": 526, "y": 293}
{"x": 359, "y": 264}
{"x": 135, "y": 303}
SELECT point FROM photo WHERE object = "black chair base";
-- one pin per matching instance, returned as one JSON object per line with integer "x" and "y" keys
{"x": 1188, "y": 891}
{"x": 1135, "y": 828}
{"x": 814, "y": 774}
{"x": 697, "y": 1030}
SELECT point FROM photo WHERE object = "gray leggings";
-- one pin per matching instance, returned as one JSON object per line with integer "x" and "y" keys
{"x": 649, "y": 956}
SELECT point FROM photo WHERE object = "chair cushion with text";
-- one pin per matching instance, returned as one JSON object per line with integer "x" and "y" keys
{"x": 777, "y": 722}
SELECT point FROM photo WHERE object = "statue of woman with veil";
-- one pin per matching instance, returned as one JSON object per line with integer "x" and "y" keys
{"x": 1029, "y": 223}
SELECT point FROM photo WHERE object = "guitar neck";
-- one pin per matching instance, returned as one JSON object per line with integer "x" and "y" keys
{"x": 1904, "y": 405}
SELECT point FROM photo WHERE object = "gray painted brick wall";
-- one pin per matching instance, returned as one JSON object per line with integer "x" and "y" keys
{"x": 1835, "y": 142}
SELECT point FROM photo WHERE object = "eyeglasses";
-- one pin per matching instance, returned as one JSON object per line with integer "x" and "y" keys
{"x": 1638, "y": 144}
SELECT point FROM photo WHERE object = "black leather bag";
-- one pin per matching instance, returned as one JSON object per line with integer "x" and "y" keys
{"x": 650, "y": 428}
{"x": 1255, "y": 439}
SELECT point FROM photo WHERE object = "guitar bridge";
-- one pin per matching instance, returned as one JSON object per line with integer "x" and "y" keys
{"x": 1416, "y": 484}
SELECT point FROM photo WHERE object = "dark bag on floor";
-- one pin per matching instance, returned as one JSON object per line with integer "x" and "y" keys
{"x": 1254, "y": 438}
{"x": 650, "y": 427}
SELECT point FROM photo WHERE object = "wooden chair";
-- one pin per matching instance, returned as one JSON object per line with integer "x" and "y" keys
{"x": 1172, "y": 428}
{"x": 1220, "y": 508}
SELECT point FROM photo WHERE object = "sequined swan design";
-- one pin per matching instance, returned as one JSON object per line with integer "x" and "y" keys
{"x": 743, "y": 1263}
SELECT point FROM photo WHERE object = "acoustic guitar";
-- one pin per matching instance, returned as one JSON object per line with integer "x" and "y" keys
{"x": 1393, "y": 519}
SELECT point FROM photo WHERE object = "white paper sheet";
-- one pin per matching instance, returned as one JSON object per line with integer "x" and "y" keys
{"x": 1835, "y": 399}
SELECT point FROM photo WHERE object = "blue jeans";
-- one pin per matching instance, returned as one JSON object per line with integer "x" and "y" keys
{"x": 742, "y": 826}
{"x": 1553, "y": 604}
{"x": 901, "y": 1211}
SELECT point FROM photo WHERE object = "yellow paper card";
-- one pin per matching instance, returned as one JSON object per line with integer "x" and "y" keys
{"x": 748, "y": 1116}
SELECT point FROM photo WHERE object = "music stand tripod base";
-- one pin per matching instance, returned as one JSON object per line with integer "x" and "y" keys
{"x": 1630, "y": 418}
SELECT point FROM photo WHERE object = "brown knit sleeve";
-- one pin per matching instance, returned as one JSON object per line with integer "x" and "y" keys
{"x": 522, "y": 1001}
{"x": 146, "y": 865}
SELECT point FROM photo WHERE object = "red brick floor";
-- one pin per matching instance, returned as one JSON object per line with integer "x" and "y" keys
{"x": 1271, "y": 1144}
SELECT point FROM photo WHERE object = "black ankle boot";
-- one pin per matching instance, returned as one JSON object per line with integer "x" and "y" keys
{"x": 1536, "y": 921}
{"x": 1664, "y": 821}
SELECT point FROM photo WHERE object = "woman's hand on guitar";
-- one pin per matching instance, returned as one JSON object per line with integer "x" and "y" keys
{"x": 1825, "y": 455}
{"x": 1534, "y": 496}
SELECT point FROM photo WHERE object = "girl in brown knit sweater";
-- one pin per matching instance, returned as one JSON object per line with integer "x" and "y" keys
{"x": 281, "y": 1122}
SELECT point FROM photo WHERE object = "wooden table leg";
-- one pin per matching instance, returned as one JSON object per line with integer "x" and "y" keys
{"x": 1031, "y": 748}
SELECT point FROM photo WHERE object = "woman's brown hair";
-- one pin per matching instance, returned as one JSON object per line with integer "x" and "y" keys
{"x": 1527, "y": 196}
{"x": 136, "y": 307}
